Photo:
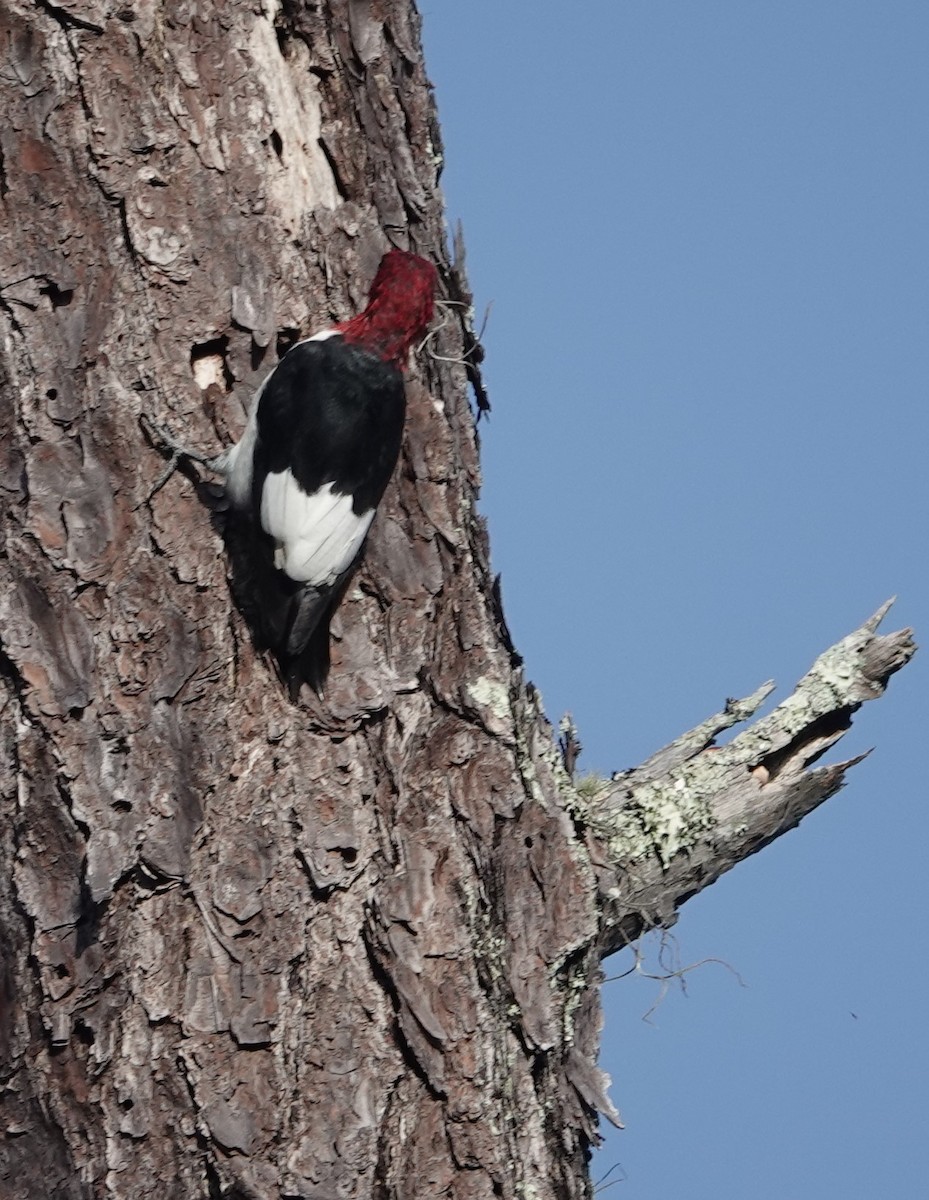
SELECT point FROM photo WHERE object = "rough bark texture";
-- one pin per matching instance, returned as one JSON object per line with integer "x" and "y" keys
{"x": 348, "y": 949}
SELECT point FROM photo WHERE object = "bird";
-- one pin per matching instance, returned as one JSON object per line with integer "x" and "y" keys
{"x": 320, "y": 444}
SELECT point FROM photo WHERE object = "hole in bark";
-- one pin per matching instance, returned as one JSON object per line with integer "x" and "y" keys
{"x": 349, "y": 855}
{"x": 121, "y": 806}
{"x": 209, "y": 364}
{"x": 58, "y": 296}
{"x": 127, "y": 1104}
{"x": 88, "y": 921}
{"x": 801, "y": 748}
{"x": 83, "y": 1032}
{"x": 61, "y": 970}
{"x": 52, "y": 394}
{"x": 538, "y": 1067}
{"x": 286, "y": 337}
{"x": 529, "y": 843}
{"x": 276, "y": 144}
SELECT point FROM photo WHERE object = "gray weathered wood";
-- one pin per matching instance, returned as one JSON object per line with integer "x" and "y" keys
{"x": 664, "y": 831}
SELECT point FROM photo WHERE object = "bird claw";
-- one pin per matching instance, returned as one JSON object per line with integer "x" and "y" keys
{"x": 158, "y": 434}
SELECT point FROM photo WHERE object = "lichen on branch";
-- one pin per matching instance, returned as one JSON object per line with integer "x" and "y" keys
{"x": 667, "y": 829}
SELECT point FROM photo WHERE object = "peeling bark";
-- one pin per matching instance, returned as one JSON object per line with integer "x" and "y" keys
{"x": 253, "y": 949}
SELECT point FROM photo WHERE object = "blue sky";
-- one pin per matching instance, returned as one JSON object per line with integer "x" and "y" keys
{"x": 704, "y": 230}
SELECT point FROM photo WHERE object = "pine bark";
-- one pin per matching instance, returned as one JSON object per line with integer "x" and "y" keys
{"x": 346, "y": 948}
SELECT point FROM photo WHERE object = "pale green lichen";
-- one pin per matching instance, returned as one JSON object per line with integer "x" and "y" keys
{"x": 672, "y": 815}
{"x": 576, "y": 796}
{"x": 676, "y": 804}
{"x": 527, "y": 771}
{"x": 493, "y": 695}
{"x": 526, "y": 713}
{"x": 572, "y": 992}
{"x": 834, "y": 681}
{"x": 665, "y": 817}
{"x": 489, "y": 945}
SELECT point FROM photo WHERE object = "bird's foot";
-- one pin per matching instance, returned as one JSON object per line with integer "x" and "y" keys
{"x": 161, "y": 439}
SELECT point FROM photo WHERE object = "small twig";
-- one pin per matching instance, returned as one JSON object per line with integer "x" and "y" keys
{"x": 669, "y": 973}
{"x": 480, "y": 332}
{"x": 470, "y": 357}
{"x": 602, "y": 1186}
{"x": 436, "y": 328}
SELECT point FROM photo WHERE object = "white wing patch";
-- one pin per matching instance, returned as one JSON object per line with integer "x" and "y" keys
{"x": 317, "y": 536}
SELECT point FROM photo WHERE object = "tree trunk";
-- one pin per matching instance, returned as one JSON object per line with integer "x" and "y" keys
{"x": 351, "y": 947}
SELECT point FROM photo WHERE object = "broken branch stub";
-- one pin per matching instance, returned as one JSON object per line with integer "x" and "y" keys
{"x": 662, "y": 832}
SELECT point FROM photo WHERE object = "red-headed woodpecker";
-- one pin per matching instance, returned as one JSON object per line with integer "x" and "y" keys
{"x": 321, "y": 443}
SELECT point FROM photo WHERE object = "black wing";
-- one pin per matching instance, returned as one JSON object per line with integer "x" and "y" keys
{"x": 331, "y": 413}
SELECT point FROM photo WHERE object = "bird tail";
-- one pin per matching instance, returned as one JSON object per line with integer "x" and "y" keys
{"x": 305, "y": 655}
{"x": 308, "y": 639}
{"x": 290, "y": 619}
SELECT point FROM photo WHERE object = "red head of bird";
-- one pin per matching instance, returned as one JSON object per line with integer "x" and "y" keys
{"x": 400, "y": 307}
